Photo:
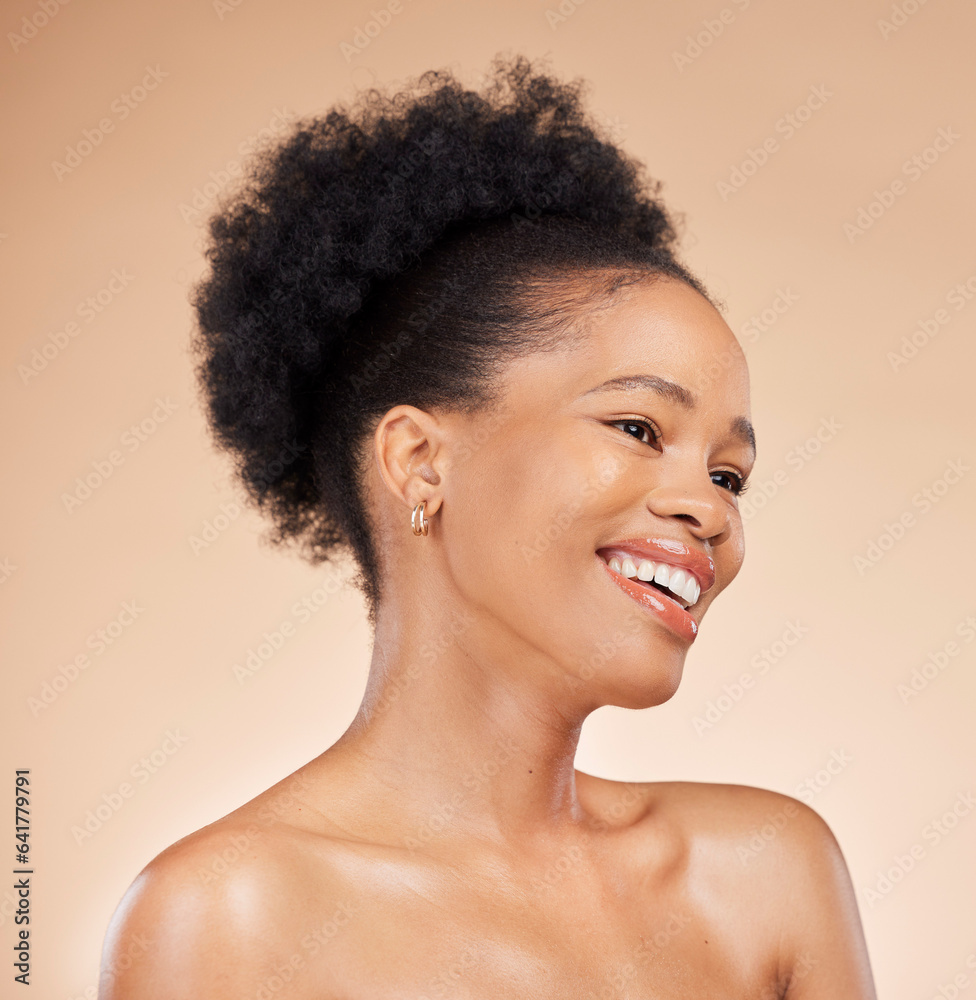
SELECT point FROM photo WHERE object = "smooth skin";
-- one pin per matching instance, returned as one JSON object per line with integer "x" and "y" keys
{"x": 446, "y": 846}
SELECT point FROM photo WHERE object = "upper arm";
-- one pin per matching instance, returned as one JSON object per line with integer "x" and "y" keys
{"x": 165, "y": 936}
{"x": 823, "y": 942}
{"x": 179, "y": 933}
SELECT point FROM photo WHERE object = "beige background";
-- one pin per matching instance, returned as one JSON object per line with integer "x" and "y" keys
{"x": 846, "y": 301}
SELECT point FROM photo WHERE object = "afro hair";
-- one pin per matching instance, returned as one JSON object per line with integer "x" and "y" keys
{"x": 402, "y": 250}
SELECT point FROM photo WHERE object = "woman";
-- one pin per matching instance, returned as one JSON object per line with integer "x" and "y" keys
{"x": 447, "y": 332}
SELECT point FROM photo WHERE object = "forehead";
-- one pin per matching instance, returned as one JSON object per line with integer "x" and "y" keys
{"x": 665, "y": 328}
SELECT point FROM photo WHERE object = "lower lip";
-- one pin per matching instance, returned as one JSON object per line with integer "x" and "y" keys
{"x": 672, "y": 615}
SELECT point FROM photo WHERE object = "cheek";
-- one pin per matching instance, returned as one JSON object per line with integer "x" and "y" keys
{"x": 729, "y": 555}
{"x": 524, "y": 520}
{"x": 564, "y": 499}
{"x": 523, "y": 530}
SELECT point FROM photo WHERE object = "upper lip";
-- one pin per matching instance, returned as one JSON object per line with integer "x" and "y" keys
{"x": 669, "y": 551}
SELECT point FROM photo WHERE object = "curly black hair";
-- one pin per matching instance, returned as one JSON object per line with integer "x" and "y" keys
{"x": 405, "y": 250}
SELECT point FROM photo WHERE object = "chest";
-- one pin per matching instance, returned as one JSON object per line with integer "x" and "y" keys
{"x": 534, "y": 946}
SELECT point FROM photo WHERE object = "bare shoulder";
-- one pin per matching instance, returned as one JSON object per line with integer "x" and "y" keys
{"x": 769, "y": 835}
{"x": 772, "y": 861}
{"x": 705, "y": 811}
{"x": 232, "y": 889}
{"x": 737, "y": 814}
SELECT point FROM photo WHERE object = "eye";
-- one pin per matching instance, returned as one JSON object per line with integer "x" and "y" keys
{"x": 639, "y": 424}
{"x": 733, "y": 482}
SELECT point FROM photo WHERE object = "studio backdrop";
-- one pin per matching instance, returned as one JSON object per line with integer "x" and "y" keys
{"x": 163, "y": 663}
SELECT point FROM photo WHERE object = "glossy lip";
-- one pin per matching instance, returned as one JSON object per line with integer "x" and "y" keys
{"x": 665, "y": 550}
{"x": 666, "y": 611}
{"x": 674, "y": 553}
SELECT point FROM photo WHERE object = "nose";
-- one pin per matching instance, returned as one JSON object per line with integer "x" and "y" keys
{"x": 695, "y": 500}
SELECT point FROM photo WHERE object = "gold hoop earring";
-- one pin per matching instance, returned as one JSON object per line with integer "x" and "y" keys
{"x": 418, "y": 521}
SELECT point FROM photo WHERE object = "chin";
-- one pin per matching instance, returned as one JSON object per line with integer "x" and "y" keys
{"x": 644, "y": 684}
{"x": 649, "y": 697}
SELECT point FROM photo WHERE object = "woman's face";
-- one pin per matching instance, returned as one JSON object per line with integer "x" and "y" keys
{"x": 631, "y": 444}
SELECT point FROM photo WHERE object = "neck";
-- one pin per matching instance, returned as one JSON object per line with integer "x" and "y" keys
{"x": 463, "y": 731}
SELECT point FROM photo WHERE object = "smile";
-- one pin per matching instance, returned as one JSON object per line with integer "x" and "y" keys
{"x": 665, "y": 577}
{"x": 673, "y": 582}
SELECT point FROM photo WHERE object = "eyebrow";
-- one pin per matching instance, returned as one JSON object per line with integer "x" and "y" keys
{"x": 741, "y": 428}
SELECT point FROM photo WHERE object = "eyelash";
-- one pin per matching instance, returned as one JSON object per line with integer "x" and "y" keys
{"x": 741, "y": 482}
{"x": 641, "y": 422}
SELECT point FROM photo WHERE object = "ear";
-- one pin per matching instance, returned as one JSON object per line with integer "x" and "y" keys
{"x": 409, "y": 446}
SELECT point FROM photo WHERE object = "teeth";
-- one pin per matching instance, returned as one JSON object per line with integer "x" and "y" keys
{"x": 646, "y": 570}
{"x": 680, "y": 582}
